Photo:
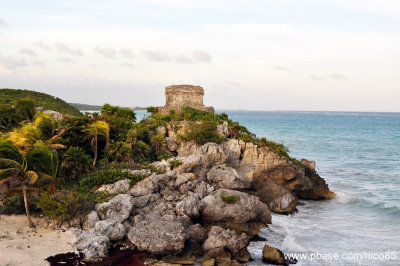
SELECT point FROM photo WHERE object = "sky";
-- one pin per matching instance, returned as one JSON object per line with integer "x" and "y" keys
{"x": 341, "y": 55}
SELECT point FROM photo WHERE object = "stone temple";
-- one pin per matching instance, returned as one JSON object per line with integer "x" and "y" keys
{"x": 178, "y": 96}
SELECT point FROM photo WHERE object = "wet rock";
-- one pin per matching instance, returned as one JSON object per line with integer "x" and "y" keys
{"x": 273, "y": 255}
{"x": 117, "y": 209}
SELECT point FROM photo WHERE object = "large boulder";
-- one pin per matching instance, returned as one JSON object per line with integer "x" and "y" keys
{"x": 121, "y": 186}
{"x": 226, "y": 177}
{"x": 114, "y": 231}
{"x": 241, "y": 208}
{"x": 273, "y": 255}
{"x": 278, "y": 198}
{"x": 219, "y": 238}
{"x": 158, "y": 234}
{"x": 91, "y": 220}
{"x": 92, "y": 244}
{"x": 118, "y": 209}
{"x": 149, "y": 185}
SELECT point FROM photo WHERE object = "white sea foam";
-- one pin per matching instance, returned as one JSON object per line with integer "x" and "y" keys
{"x": 344, "y": 198}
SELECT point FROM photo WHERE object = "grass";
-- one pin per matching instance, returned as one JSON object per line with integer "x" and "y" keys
{"x": 230, "y": 199}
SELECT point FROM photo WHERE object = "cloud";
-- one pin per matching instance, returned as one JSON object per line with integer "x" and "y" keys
{"x": 2, "y": 22}
{"x": 183, "y": 59}
{"x": 27, "y": 51}
{"x": 107, "y": 52}
{"x": 155, "y": 56}
{"x": 65, "y": 49}
{"x": 127, "y": 53}
{"x": 65, "y": 60}
{"x": 12, "y": 62}
{"x": 43, "y": 46}
{"x": 39, "y": 63}
{"x": 201, "y": 56}
{"x": 281, "y": 68}
{"x": 4, "y": 70}
{"x": 337, "y": 76}
{"x": 129, "y": 65}
{"x": 317, "y": 78}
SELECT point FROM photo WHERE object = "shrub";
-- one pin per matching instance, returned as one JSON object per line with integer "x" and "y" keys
{"x": 16, "y": 205}
{"x": 230, "y": 199}
{"x": 107, "y": 176}
{"x": 66, "y": 205}
{"x": 202, "y": 133}
{"x": 151, "y": 109}
{"x": 174, "y": 163}
{"x": 120, "y": 120}
{"x": 278, "y": 147}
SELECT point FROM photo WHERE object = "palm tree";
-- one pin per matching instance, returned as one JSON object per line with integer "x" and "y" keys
{"x": 26, "y": 108}
{"x": 38, "y": 166}
{"x": 76, "y": 162}
{"x": 93, "y": 131}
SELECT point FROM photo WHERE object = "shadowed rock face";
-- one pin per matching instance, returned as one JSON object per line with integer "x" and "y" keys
{"x": 178, "y": 96}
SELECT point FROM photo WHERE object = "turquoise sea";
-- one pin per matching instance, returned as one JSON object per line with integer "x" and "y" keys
{"x": 358, "y": 154}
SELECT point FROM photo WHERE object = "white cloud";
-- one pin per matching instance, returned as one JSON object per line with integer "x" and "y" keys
{"x": 281, "y": 68}
{"x": 2, "y": 22}
{"x": 12, "y": 62}
{"x": 317, "y": 78}
{"x": 106, "y": 52}
{"x": 156, "y": 56}
{"x": 337, "y": 76}
{"x": 27, "y": 51}
{"x": 65, "y": 60}
{"x": 127, "y": 53}
{"x": 43, "y": 46}
{"x": 201, "y": 56}
{"x": 129, "y": 65}
{"x": 183, "y": 59}
{"x": 39, "y": 63}
{"x": 65, "y": 49}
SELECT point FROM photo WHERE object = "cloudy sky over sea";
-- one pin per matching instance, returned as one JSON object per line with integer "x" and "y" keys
{"x": 246, "y": 54}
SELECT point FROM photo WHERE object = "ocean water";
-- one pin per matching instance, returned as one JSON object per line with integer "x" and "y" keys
{"x": 358, "y": 154}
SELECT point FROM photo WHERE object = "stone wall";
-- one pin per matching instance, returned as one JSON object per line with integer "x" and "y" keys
{"x": 178, "y": 96}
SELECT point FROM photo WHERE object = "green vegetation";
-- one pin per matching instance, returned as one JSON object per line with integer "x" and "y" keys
{"x": 64, "y": 162}
{"x": 230, "y": 199}
{"x": 48, "y": 102}
{"x": 174, "y": 163}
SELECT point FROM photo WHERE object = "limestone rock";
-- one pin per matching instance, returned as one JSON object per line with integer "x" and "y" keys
{"x": 278, "y": 198}
{"x": 219, "y": 238}
{"x": 226, "y": 177}
{"x": 183, "y": 178}
{"x": 190, "y": 206}
{"x": 172, "y": 145}
{"x": 114, "y": 231}
{"x": 92, "y": 244}
{"x": 273, "y": 255}
{"x": 247, "y": 208}
{"x": 91, "y": 220}
{"x": 121, "y": 186}
{"x": 197, "y": 233}
{"x": 149, "y": 185}
{"x": 117, "y": 209}
{"x": 223, "y": 129}
{"x": 158, "y": 234}
{"x": 161, "y": 130}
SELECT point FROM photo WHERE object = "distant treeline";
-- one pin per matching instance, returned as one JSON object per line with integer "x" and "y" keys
{"x": 88, "y": 107}
{"x": 48, "y": 102}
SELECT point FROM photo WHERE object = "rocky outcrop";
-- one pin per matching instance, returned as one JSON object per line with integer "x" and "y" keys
{"x": 210, "y": 205}
{"x": 158, "y": 234}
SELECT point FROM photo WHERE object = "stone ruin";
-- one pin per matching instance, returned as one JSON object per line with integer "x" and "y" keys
{"x": 178, "y": 96}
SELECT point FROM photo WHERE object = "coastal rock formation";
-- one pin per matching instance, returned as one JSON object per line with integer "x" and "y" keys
{"x": 178, "y": 96}
{"x": 210, "y": 205}
{"x": 273, "y": 255}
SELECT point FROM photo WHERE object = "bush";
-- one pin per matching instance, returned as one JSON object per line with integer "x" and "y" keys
{"x": 66, "y": 205}
{"x": 16, "y": 205}
{"x": 107, "y": 176}
{"x": 277, "y": 147}
{"x": 151, "y": 109}
{"x": 174, "y": 163}
{"x": 230, "y": 199}
{"x": 202, "y": 133}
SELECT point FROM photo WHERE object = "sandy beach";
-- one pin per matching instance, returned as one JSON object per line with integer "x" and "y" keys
{"x": 21, "y": 245}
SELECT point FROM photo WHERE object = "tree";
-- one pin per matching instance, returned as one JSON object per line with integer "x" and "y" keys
{"x": 26, "y": 108}
{"x": 76, "y": 162}
{"x": 38, "y": 167}
{"x": 93, "y": 131}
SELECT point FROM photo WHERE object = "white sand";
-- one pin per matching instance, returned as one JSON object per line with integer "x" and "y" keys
{"x": 21, "y": 245}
